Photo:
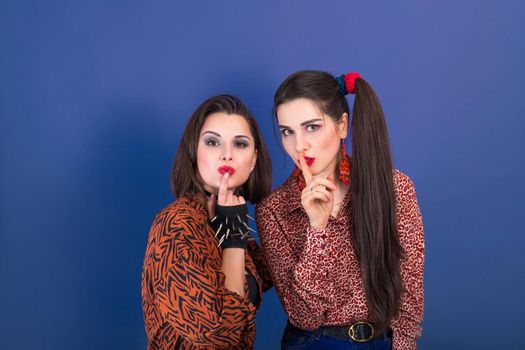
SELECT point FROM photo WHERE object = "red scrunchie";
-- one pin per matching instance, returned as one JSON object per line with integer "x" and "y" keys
{"x": 350, "y": 81}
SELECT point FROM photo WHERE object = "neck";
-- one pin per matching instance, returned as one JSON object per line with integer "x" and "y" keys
{"x": 341, "y": 188}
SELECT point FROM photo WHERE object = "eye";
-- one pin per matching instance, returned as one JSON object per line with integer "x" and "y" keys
{"x": 211, "y": 143}
{"x": 241, "y": 144}
{"x": 312, "y": 127}
{"x": 286, "y": 132}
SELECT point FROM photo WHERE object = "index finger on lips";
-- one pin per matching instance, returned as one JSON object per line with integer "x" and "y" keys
{"x": 305, "y": 168}
{"x": 223, "y": 188}
{"x": 230, "y": 197}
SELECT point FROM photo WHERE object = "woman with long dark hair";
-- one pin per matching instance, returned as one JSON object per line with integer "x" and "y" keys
{"x": 343, "y": 235}
{"x": 203, "y": 274}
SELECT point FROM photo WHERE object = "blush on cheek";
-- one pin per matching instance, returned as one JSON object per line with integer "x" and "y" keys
{"x": 331, "y": 143}
{"x": 207, "y": 169}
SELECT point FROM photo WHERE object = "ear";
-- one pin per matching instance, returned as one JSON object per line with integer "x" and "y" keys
{"x": 254, "y": 161}
{"x": 343, "y": 126}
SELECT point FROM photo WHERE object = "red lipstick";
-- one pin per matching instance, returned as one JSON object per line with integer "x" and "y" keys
{"x": 226, "y": 169}
{"x": 309, "y": 160}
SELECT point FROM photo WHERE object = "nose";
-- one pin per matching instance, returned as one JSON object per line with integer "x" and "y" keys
{"x": 300, "y": 143}
{"x": 227, "y": 154}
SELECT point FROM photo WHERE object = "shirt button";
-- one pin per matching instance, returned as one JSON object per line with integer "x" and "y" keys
{"x": 323, "y": 246}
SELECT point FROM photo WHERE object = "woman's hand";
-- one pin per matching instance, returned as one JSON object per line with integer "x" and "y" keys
{"x": 226, "y": 197}
{"x": 228, "y": 217}
{"x": 317, "y": 197}
{"x": 234, "y": 244}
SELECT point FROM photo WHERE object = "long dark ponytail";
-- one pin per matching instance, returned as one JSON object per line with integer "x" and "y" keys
{"x": 374, "y": 232}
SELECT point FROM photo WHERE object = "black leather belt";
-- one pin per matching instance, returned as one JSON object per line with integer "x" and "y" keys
{"x": 359, "y": 332}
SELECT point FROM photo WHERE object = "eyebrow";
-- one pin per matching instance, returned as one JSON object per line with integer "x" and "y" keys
{"x": 219, "y": 135}
{"x": 302, "y": 124}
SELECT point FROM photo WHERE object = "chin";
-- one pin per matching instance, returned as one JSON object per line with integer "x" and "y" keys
{"x": 315, "y": 170}
{"x": 235, "y": 184}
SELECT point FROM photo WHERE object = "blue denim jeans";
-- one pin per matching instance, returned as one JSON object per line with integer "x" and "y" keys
{"x": 294, "y": 339}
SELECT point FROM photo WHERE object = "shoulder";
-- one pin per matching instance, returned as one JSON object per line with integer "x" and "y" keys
{"x": 401, "y": 179}
{"x": 184, "y": 206}
{"x": 185, "y": 213}
{"x": 407, "y": 206}
{"x": 409, "y": 219}
{"x": 403, "y": 185}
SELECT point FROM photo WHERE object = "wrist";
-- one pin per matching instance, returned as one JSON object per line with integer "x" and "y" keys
{"x": 318, "y": 226}
{"x": 240, "y": 244}
{"x": 234, "y": 251}
{"x": 230, "y": 226}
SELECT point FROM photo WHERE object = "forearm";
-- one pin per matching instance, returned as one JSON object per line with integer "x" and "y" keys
{"x": 234, "y": 269}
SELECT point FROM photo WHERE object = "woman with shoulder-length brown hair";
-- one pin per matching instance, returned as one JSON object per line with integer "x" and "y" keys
{"x": 203, "y": 273}
{"x": 343, "y": 235}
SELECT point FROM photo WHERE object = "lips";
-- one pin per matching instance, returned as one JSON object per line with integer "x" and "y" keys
{"x": 226, "y": 169}
{"x": 309, "y": 160}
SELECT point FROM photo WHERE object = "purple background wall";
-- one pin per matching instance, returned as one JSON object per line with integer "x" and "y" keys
{"x": 94, "y": 95}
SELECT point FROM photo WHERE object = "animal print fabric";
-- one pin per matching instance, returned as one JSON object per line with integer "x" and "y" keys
{"x": 184, "y": 301}
{"x": 316, "y": 272}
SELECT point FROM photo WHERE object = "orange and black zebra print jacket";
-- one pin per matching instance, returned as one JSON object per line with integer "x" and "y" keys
{"x": 184, "y": 301}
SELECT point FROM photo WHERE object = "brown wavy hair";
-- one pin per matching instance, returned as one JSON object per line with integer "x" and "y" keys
{"x": 184, "y": 175}
{"x": 374, "y": 230}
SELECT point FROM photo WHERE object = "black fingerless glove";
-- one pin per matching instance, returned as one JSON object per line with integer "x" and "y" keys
{"x": 231, "y": 226}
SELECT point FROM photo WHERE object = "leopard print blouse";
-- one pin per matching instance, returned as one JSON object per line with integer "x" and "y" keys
{"x": 316, "y": 272}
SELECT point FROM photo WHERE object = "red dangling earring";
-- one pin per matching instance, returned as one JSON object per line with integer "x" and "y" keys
{"x": 344, "y": 165}
{"x": 300, "y": 178}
